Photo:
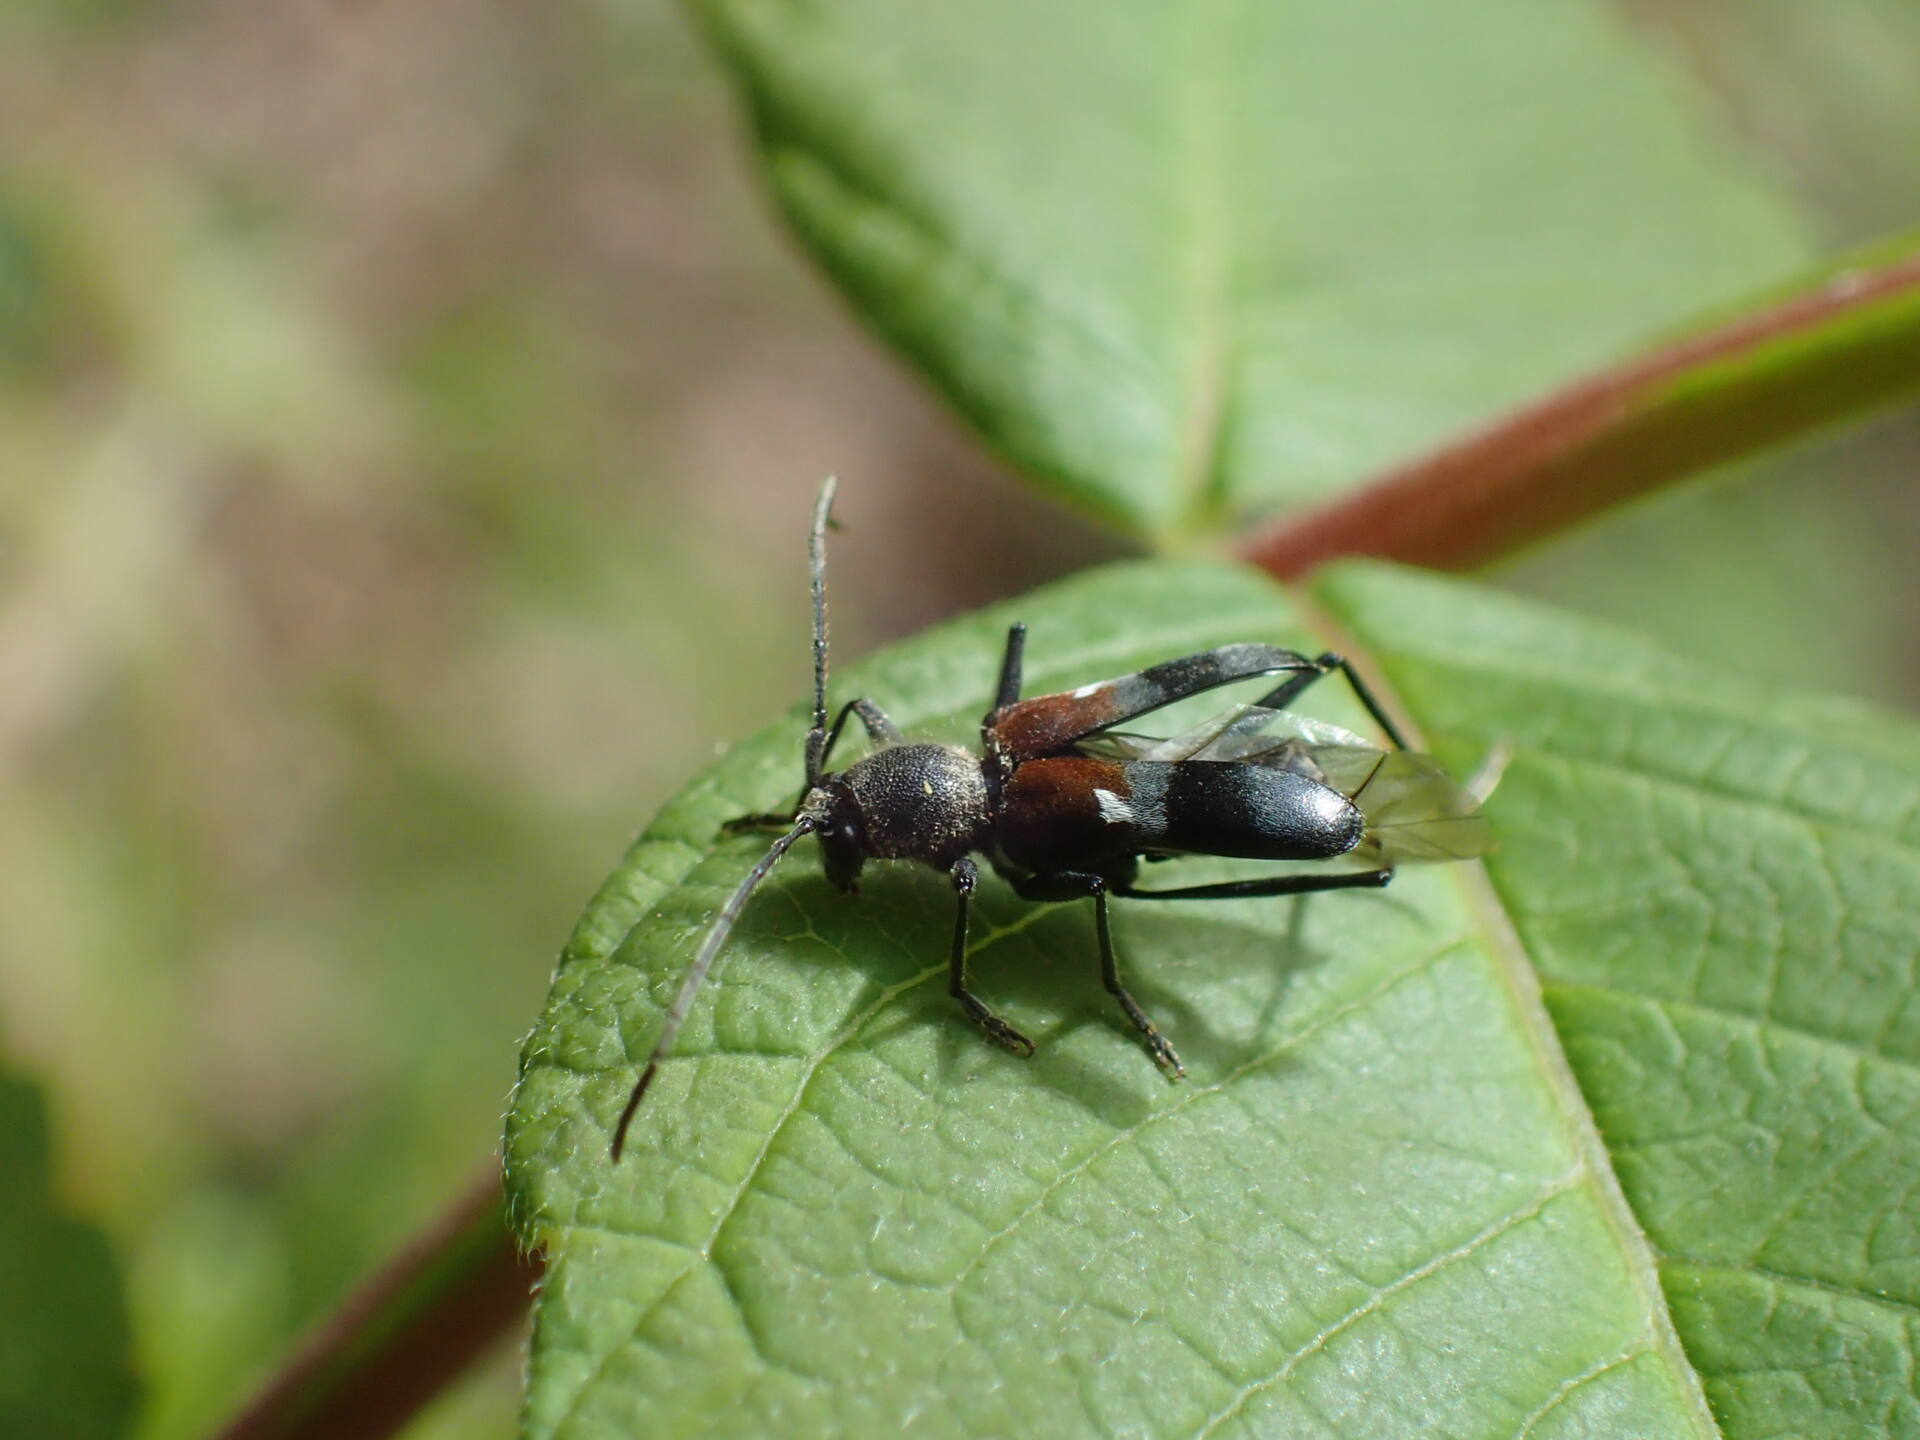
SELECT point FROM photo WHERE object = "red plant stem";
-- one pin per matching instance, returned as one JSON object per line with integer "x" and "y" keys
{"x": 1618, "y": 433}
{"x": 433, "y": 1310}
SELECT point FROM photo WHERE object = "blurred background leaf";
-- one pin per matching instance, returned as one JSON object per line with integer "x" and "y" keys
{"x": 407, "y": 419}
{"x": 1190, "y": 264}
{"x": 66, "y": 1367}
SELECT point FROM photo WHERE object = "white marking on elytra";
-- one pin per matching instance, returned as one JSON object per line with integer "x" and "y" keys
{"x": 1147, "y": 796}
{"x": 1113, "y": 810}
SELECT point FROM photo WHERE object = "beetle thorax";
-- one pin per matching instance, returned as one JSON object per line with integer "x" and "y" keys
{"x": 918, "y": 802}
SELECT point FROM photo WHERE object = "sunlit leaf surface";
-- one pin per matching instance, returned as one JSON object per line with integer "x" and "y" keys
{"x": 1383, "y": 1204}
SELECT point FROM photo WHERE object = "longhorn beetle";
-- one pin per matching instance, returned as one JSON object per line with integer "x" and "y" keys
{"x": 1065, "y": 807}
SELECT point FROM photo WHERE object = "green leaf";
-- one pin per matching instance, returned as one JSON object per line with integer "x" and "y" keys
{"x": 65, "y": 1367}
{"x": 1380, "y": 1206}
{"x": 1717, "y": 885}
{"x": 1185, "y": 263}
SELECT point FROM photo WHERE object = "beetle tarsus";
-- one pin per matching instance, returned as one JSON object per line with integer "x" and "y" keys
{"x": 997, "y": 1030}
{"x": 1164, "y": 1055}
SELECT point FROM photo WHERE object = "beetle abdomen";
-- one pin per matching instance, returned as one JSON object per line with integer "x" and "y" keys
{"x": 1249, "y": 811}
{"x": 1069, "y": 810}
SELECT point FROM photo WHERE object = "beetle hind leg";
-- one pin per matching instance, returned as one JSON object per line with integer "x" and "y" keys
{"x": 1265, "y": 885}
{"x": 1284, "y": 694}
{"x": 1061, "y": 885}
{"x": 1164, "y": 1055}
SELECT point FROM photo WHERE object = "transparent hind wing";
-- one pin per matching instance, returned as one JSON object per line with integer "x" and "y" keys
{"x": 1244, "y": 733}
{"x": 1416, "y": 812}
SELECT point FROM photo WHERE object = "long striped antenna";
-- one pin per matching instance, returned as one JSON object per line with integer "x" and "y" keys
{"x": 817, "y": 566}
{"x": 697, "y": 974}
{"x": 803, "y": 824}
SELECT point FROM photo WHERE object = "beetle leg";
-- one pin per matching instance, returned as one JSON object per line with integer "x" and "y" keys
{"x": 965, "y": 876}
{"x": 1265, "y": 885}
{"x": 1076, "y": 885}
{"x": 1284, "y": 694}
{"x": 880, "y": 729}
{"x": 1010, "y": 670}
{"x": 1157, "y": 1046}
{"x": 1047, "y": 724}
{"x": 766, "y": 820}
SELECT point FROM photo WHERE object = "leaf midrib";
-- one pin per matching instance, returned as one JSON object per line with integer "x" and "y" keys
{"x": 1858, "y": 1054}
{"x": 1516, "y": 967}
{"x": 1784, "y": 805}
{"x": 1209, "y": 264}
{"x": 1502, "y": 941}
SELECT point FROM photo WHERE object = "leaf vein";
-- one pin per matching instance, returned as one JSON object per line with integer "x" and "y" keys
{"x": 1854, "y": 1049}
{"x": 1566, "y": 1388}
{"x": 1193, "y": 1097}
{"x": 1424, "y": 1271}
{"x": 1910, "y": 1309}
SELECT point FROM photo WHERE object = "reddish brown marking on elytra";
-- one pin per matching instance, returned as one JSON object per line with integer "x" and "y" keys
{"x": 1049, "y": 809}
{"x": 1048, "y": 723}
{"x": 1067, "y": 779}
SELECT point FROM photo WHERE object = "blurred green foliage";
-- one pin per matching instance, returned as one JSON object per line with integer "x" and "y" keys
{"x": 65, "y": 1367}
{"x": 404, "y": 415}
{"x": 387, "y": 522}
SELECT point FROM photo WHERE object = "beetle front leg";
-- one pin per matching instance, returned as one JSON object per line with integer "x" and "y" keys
{"x": 880, "y": 730}
{"x": 965, "y": 876}
{"x": 765, "y": 820}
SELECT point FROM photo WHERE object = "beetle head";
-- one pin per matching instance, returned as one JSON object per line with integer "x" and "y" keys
{"x": 835, "y": 813}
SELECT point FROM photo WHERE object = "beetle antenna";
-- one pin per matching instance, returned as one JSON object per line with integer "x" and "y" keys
{"x": 817, "y": 566}
{"x": 703, "y": 962}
